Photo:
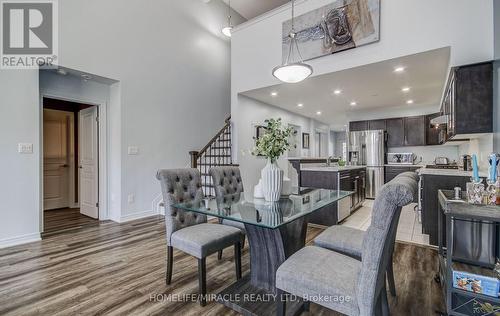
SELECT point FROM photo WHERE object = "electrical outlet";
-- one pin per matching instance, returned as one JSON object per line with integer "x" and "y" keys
{"x": 131, "y": 199}
{"x": 133, "y": 150}
{"x": 25, "y": 148}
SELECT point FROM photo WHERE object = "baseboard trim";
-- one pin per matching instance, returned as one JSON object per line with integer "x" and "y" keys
{"x": 19, "y": 240}
{"x": 137, "y": 215}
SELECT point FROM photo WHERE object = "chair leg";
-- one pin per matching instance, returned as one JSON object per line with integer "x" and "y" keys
{"x": 280, "y": 303}
{"x": 202, "y": 280}
{"x": 170, "y": 263}
{"x": 385, "y": 302}
{"x": 307, "y": 306}
{"x": 237, "y": 259}
{"x": 219, "y": 255}
{"x": 390, "y": 277}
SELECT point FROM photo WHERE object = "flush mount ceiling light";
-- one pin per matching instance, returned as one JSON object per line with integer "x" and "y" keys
{"x": 300, "y": 105}
{"x": 399, "y": 69}
{"x": 293, "y": 71}
{"x": 274, "y": 94}
{"x": 229, "y": 28}
{"x": 337, "y": 92}
{"x": 409, "y": 102}
{"x": 353, "y": 103}
{"x": 318, "y": 113}
{"x": 405, "y": 89}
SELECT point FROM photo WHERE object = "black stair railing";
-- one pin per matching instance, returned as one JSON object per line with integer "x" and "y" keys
{"x": 216, "y": 153}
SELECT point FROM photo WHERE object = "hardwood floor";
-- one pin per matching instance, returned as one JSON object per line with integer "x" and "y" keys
{"x": 119, "y": 269}
{"x": 55, "y": 221}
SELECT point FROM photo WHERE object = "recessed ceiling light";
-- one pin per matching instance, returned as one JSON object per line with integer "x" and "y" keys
{"x": 300, "y": 105}
{"x": 399, "y": 69}
{"x": 337, "y": 92}
{"x": 274, "y": 93}
{"x": 353, "y": 103}
{"x": 405, "y": 89}
{"x": 409, "y": 102}
{"x": 318, "y": 113}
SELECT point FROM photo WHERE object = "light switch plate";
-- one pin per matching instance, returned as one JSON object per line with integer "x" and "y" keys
{"x": 25, "y": 148}
{"x": 133, "y": 150}
{"x": 131, "y": 199}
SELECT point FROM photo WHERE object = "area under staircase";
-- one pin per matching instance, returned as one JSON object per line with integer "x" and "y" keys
{"x": 216, "y": 153}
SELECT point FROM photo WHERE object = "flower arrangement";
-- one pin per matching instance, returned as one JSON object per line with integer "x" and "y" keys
{"x": 275, "y": 141}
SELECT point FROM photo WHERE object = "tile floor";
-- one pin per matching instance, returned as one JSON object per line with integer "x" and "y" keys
{"x": 409, "y": 229}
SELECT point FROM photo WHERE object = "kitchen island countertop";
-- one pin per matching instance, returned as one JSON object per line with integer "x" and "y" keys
{"x": 332, "y": 168}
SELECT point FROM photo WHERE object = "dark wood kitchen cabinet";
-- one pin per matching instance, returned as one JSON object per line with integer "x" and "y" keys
{"x": 414, "y": 131}
{"x": 376, "y": 125}
{"x": 468, "y": 100}
{"x": 395, "y": 132}
{"x": 392, "y": 171}
{"x": 430, "y": 205}
{"x": 358, "y": 126}
{"x": 432, "y": 134}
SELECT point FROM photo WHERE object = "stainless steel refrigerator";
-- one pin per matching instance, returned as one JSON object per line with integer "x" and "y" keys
{"x": 368, "y": 148}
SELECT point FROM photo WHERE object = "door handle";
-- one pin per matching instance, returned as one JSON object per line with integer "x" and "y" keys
{"x": 65, "y": 166}
{"x": 81, "y": 167}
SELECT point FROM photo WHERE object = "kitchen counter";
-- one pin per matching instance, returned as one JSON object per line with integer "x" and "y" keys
{"x": 449, "y": 172}
{"x": 332, "y": 168}
{"x": 404, "y": 166}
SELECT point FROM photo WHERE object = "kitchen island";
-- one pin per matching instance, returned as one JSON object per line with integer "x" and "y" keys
{"x": 349, "y": 178}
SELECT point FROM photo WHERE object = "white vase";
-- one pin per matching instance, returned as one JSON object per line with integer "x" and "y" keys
{"x": 272, "y": 181}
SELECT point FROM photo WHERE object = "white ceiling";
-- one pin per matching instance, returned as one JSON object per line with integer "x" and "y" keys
{"x": 375, "y": 88}
{"x": 252, "y": 8}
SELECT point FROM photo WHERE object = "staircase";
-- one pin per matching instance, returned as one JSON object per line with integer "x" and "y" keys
{"x": 216, "y": 153}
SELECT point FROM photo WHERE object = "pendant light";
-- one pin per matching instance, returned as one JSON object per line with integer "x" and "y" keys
{"x": 293, "y": 71}
{"x": 229, "y": 28}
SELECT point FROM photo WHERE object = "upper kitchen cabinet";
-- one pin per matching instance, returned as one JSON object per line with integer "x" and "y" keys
{"x": 468, "y": 101}
{"x": 377, "y": 125}
{"x": 432, "y": 133}
{"x": 415, "y": 129}
{"x": 395, "y": 132}
{"x": 358, "y": 126}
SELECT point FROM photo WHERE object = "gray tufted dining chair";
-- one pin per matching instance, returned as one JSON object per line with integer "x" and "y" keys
{"x": 228, "y": 187}
{"x": 340, "y": 282}
{"x": 349, "y": 241}
{"x": 189, "y": 231}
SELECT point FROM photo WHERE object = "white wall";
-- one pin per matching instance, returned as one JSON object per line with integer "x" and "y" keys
{"x": 256, "y": 45}
{"x": 19, "y": 188}
{"x": 173, "y": 65}
{"x": 482, "y": 147}
{"x": 496, "y": 12}
{"x": 251, "y": 113}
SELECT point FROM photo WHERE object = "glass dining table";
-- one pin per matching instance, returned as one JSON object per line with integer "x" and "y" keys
{"x": 275, "y": 231}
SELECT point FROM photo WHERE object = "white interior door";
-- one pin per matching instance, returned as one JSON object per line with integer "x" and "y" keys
{"x": 56, "y": 144}
{"x": 89, "y": 171}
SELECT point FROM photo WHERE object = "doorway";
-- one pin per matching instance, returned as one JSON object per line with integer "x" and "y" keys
{"x": 70, "y": 165}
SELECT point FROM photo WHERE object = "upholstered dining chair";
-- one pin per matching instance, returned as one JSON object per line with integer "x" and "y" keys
{"x": 349, "y": 240}
{"x": 228, "y": 187}
{"x": 340, "y": 282}
{"x": 189, "y": 231}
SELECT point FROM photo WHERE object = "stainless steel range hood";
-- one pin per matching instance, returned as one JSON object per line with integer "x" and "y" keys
{"x": 440, "y": 120}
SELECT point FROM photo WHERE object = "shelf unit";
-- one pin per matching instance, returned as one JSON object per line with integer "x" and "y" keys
{"x": 460, "y": 302}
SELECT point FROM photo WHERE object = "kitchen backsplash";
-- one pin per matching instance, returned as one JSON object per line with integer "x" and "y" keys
{"x": 428, "y": 153}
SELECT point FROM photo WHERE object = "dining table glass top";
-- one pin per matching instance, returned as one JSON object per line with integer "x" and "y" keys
{"x": 272, "y": 215}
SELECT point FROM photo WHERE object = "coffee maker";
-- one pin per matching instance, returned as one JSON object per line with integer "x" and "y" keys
{"x": 466, "y": 162}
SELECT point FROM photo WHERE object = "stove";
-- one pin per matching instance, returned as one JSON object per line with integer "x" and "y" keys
{"x": 453, "y": 167}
